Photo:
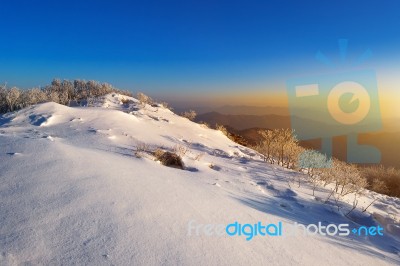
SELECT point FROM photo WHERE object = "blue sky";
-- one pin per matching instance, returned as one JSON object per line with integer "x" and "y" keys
{"x": 189, "y": 46}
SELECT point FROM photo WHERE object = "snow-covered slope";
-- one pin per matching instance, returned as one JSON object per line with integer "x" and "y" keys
{"x": 72, "y": 191}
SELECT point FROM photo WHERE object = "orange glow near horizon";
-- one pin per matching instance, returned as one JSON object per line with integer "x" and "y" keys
{"x": 276, "y": 99}
{"x": 389, "y": 98}
{"x": 389, "y": 101}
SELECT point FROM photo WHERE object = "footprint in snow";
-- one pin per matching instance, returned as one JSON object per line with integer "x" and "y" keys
{"x": 13, "y": 153}
{"x": 216, "y": 184}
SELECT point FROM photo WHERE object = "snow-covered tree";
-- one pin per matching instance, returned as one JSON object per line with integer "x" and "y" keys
{"x": 284, "y": 138}
{"x": 191, "y": 114}
{"x": 266, "y": 145}
{"x": 11, "y": 98}
{"x": 312, "y": 161}
{"x": 143, "y": 98}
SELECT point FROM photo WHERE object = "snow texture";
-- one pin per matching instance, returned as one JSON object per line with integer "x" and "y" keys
{"x": 72, "y": 192}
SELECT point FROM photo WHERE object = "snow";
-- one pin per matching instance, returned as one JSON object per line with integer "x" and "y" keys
{"x": 72, "y": 191}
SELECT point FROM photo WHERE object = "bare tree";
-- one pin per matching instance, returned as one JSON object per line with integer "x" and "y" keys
{"x": 266, "y": 145}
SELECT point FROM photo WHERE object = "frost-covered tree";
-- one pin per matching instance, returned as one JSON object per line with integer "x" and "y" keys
{"x": 191, "y": 114}
{"x": 312, "y": 160}
{"x": 143, "y": 98}
{"x": 106, "y": 88}
{"x": 3, "y": 104}
{"x": 68, "y": 89}
{"x": 279, "y": 145}
{"x": 37, "y": 95}
{"x": 93, "y": 88}
{"x": 80, "y": 89}
{"x": 266, "y": 145}
{"x": 32, "y": 96}
{"x": 316, "y": 164}
{"x": 352, "y": 181}
{"x": 11, "y": 98}
{"x": 346, "y": 179}
{"x": 58, "y": 91}
{"x": 291, "y": 154}
{"x": 284, "y": 138}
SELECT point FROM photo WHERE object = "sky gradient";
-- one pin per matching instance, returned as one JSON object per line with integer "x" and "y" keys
{"x": 208, "y": 50}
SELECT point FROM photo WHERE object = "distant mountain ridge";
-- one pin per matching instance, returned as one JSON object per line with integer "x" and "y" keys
{"x": 238, "y": 110}
{"x": 241, "y": 122}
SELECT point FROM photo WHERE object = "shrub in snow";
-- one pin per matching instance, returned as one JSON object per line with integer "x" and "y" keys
{"x": 383, "y": 180}
{"x": 171, "y": 160}
{"x": 204, "y": 124}
{"x": 191, "y": 114}
{"x": 158, "y": 153}
{"x": 141, "y": 148}
{"x": 166, "y": 105}
{"x": 144, "y": 99}
{"x": 126, "y": 101}
{"x": 181, "y": 150}
{"x": 222, "y": 129}
{"x": 379, "y": 186}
